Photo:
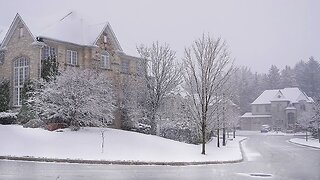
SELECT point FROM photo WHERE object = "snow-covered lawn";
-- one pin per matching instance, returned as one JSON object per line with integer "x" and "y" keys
{"x": 310, "y": 142}
{"x": 119, "y": 146}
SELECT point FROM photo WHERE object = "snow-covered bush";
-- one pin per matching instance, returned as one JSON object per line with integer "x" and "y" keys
{"x": 34, "y": 123}
{"x": 8, "y": 118}
{"x": 4, "y": 95}
{"x": 77, "y": 97}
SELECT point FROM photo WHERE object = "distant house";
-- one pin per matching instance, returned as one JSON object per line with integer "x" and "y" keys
{"x": 74, "y": 42}
{"x": 278, "y": 108}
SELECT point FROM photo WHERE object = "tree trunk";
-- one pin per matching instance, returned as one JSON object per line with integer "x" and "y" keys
{"x": 319, "y": 134}
{"x": 153, "y": 125}
{"x": 218, "y": 138}
{"x": 203, "y": 137}
{"x": 234, "y": 132}
{"x": 223, "y": 136}
{"x": 306, "y": 135}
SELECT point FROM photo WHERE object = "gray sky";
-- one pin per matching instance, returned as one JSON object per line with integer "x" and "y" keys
{"x": 259, "y": 32}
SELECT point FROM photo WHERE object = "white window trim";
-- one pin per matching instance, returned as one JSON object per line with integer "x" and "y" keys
{"x": 17, "y": 85}
{"x": 73, "y": 57}
{"x": 105, "y": 61}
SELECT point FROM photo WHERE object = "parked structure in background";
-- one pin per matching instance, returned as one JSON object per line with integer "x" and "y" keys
{"x": 74, "y": 42}
{"x": 279, "y": 108}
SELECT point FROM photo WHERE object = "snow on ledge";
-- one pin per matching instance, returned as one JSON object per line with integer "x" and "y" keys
{"x": 250, "y": 115}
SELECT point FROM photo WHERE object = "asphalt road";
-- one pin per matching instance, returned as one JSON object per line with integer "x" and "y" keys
{"x": 269, "y": 157}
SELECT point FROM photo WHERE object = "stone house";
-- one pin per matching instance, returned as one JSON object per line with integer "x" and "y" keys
{"x": 74, "y": 42}
{"x": 277, "y": 108}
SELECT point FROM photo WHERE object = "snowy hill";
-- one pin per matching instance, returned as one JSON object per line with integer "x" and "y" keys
{"x": 119, "y": 146}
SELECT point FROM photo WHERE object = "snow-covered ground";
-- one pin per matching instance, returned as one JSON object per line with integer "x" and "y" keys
{"x": 119, "y": 145}
{"x": 311, "y": 142}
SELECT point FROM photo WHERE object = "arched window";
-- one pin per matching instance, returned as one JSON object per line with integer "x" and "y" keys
{"x": 20, "y": 76}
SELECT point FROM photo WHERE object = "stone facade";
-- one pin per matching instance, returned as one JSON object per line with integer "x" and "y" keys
{"x": 20, "y": 42}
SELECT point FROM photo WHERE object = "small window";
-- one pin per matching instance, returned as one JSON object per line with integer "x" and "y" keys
{"x": 48, "y": 51}
{"x": 125, "y": 66}
{"x": 105, "y": 39}
{"x": 21, "y": 32}
{"x": 2, "y": 55}
{"x": 257, "y": 108}
{"x": 72, "y": 57}
{"x": 303, "y": 107}
{"x": 140, "y": 68}
{"x": 105, "y": 62}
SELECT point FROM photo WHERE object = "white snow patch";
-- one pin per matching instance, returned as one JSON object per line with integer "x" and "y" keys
{"x": 5, "y": 114}
{"x": 250, "y": 154}
{"x": 119, "y": 145}
{"x": 311, "y": 142}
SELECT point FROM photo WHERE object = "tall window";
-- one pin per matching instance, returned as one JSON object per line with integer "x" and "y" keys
{"x": 21, "y": 32}
{"x": 125, "y": 66}
{"x": 1, "y": 57}
{"x": 48, "y": 51}
{"x": 105, "y": 61}
{"x": 72, "y": 57}
{"x": 140, "y": 68}
{"x": 21, "y": 74}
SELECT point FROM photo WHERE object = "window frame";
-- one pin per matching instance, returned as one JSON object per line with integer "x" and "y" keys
{"x": 21, "y": 70}
{"x": 72, "y": 57}
{"x": 48, "y": 51}
{"x": 105, "y": 60}
{"x": 125, "y": 66}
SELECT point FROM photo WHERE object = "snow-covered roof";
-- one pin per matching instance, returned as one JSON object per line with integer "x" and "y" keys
{"x": 250, "y": 115}
{"x": 73, "y": 28}
{"x": 293, "y": 95}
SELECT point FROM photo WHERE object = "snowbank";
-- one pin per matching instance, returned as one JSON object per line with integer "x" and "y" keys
{"x": 311, "y": 142}
{"x": 119, "y": 146}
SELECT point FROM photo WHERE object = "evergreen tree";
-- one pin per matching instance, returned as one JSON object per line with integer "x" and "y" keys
{"x": 273, "y": 78}
{"x": 287, "y": 78}
{"x": 4, "y": 95}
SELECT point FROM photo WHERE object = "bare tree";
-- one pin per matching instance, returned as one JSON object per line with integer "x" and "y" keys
{"x": 208, "y": 67}
{"x": 162, "y": 76}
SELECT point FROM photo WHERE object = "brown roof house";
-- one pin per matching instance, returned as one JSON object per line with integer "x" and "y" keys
{"x": 73, "y": 41}
{"x": 278, "y": 108}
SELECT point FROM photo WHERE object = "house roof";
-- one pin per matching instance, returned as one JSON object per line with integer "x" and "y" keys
{"x": 293, "y": 95}
{"x": 75, "y": 29}
{"x": 3, "y": 31}
{"x": 250, "y": 115}
{"x": 7, "y": 34}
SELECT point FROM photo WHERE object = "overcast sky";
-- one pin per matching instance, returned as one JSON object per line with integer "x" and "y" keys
{"x": 259, "y": 33}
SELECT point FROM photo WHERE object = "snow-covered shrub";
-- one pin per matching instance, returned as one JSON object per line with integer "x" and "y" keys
{"x": 180, "y": 132}
{"x": 8, "y": 118}
{"x": 26, "y": 113}
{"x": 34, "y": 123}
{"x": 4, "y": 95}
{"x": 77, "y": 97}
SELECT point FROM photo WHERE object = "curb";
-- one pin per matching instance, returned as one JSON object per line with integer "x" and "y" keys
{"x": 303, "y": 145}
{"x": 78, "y": 161}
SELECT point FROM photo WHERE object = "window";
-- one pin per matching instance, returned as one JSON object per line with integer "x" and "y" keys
{"x": 257, "y": 108}
{"x": 105, "y": 39}
{"x": 140, "y": 68}
{"x": 303, "y": 107}
{"x": 105, "y": 61}
{"x": 21, "y": 74}
{"x": 268, "y": 108}
{"x": 125, "y": 66}
{"x": 21, "y": 32}
{"x": 72, "y": 57}
{"x": 48, "y": 51}
{"x": 1, "y": 57}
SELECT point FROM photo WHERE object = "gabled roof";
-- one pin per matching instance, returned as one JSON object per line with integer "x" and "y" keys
{"x": 12, "y": 27}
{"x": 293, "y": 95}
{"x": 74, "y": 29}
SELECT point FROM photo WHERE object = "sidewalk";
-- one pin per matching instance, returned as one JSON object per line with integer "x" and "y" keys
{"x": 313, "y": 143}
